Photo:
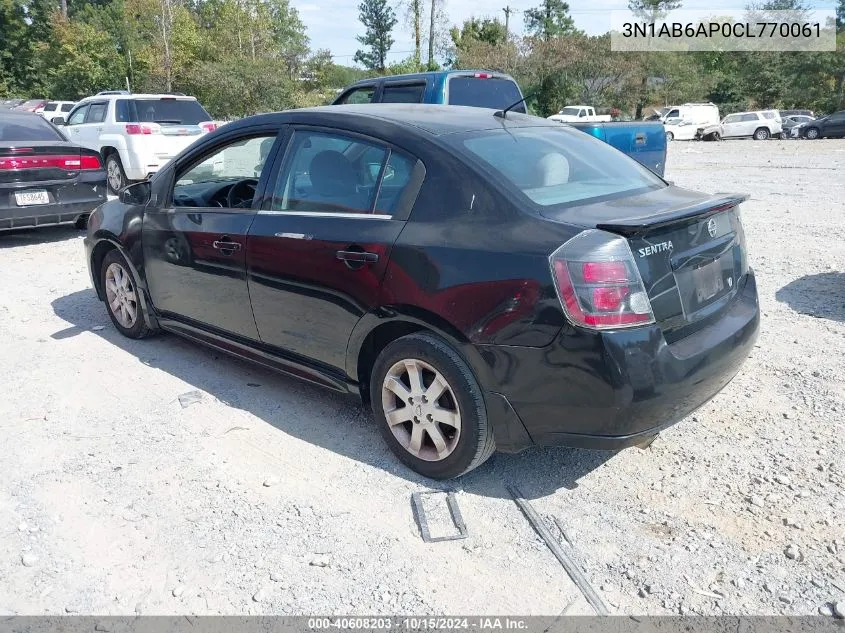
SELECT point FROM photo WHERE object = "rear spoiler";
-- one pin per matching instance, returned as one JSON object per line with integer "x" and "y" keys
{"x": 630, "y": 227}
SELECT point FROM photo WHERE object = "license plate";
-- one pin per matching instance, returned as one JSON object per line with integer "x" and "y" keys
{"x": 29, "y": 198}
{"x": 708, "y": 281}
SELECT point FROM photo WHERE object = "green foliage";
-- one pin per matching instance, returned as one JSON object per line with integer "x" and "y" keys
{"x": 488, "y": 30}
{"x": 378, "y": 19}
{"x": 551, "y": 19}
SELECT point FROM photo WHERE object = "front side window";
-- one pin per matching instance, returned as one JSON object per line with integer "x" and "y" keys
{"x": 331, "y": 173}
{"x": 97, "y": 113}
{"x": 556, "y": 166}
{"x": 359, "y": 95}
{"x": 78, "y": 115}
{"x": 227, "y": 178}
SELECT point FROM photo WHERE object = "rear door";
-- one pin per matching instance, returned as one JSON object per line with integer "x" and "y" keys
{"x": 175, "y": 122}
{"x": 319, "y": 247}
{"x": 195, "y": 241}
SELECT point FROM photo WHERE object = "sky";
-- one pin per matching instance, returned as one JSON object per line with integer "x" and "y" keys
{"x": 333, "y": 24}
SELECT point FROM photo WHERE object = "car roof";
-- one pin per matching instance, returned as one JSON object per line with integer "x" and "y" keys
{"x": 124, "y": 95}
{"x": 426, "y": 75}
{"x": 435, "y": 120}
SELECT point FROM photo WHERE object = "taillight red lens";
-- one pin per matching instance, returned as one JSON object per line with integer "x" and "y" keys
{"x": 604, "y": 272}
{"x": 136, "y": 128}
{"x": 482, "y": 75}
{"x": 208, "y": 126}
{"x": 67, "y": 163}
{"x": 598, "y": 283}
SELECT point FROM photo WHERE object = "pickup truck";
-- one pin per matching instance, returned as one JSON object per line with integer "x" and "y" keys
{"x": 643, "y": 141}
{"x": 579, "y": 113}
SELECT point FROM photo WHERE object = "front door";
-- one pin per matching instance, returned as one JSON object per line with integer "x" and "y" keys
{"x": 195, "y": 242}
{"x": 731, "y": 126}
{"x": 319, "y": 247}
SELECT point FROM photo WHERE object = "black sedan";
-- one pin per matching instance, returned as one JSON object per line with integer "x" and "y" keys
{"x": 830, "y": 126}
{"x": 44, "y": 179}
{"x": 482, "y": 280}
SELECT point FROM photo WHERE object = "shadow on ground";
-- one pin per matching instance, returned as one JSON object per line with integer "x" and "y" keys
{"x": 821, "y": 295}
{"x": 536, "y": 472}
{"x": 46, "y": 235}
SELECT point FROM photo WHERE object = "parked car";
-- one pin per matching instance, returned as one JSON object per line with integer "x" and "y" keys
{"x": 786, "y": 113}
{"x": 8, "y": 104}
{"x": 644, "y": 141}
{"x": 579, "y": 113}
{"x": 709, "y": 133}
{"x": 792, "y": 123}
{"x": 53, "y": 109}
{"x": 759, "y": 125}
{"x": 478, "y": 88}
{"x": 44, "y": 179}
{"x": 830, "y": 126}
{"x": 359, "y": 256}
{"x": 136, "y": 134}
{"x": 33, "y": 105}
{"x": 681, "y": 122}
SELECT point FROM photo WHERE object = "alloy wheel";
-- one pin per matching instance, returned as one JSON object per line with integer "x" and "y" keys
{"x": 421, "y": 410}
{"x": 114, "y": 175}
{"x": 121, "y": 295}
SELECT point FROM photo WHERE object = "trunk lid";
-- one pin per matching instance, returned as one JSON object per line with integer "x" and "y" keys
{"x": 40, "y": 161}
{"x": 689, "y": 249}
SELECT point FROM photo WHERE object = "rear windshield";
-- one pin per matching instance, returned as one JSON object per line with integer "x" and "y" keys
{"x": 558, "y": 166}
{"x": 570, "y": 111}
{"x": 27, "y": 128}
{"x": 164, "y": 110}
{"x": 484, "y": 93}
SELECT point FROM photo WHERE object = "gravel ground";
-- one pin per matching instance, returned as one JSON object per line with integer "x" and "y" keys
{"x": 270, "y": 496}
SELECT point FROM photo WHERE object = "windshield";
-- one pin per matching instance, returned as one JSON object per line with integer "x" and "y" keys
{"x": 557, "y": 166}
{"x": 570, "y": 111}
{"x": 165, "y": 110}
{"x": 27, "y": 128}
{"x": 496, "y": 93}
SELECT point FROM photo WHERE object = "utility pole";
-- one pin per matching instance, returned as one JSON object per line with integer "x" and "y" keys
{"x": 431, "y": 36}
{"x": 508, "y": 12}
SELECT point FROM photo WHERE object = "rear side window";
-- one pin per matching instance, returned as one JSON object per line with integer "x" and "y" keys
{"x": 556, "y": 166}
{"x": 27, "y": 128}
{"x": 748, "y": 117}
{"x": 66, "y": 107}
{"x": 164, "y": 110}
{"x": 408, "y": 93}
{"x": 769, "y": 115}
{"x": 50, "y": 107}
{"x": 493, "y": 93}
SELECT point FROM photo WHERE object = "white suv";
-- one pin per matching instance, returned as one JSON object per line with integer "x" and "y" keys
{"x": 136, "y": 134}
{"x": 759, "y": 125}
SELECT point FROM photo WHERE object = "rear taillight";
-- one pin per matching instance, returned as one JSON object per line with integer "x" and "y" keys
{"x": 208, "y": 126}
{"x": 143, "y": 128}
{"x": 67, "y": 163}
{"x": 598, "y": 282}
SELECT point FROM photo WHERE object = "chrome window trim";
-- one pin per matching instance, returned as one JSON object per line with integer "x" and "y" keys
{"x": 320, "y": 214}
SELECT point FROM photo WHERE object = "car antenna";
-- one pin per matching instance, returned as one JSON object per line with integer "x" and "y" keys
{"x": 502, "y": 114}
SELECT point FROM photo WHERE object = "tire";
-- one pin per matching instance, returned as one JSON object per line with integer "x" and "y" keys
{"x": 812, "y": 133}
{"x": 465, "y": 442}
{"x": 717, "y": 137}
{"x": 120, "y": 290}
{"x": 670, "y": 136}
{"x": 81, "y": 222}
{"x": 115, "y": 176}
{"x": 761, "y": 134}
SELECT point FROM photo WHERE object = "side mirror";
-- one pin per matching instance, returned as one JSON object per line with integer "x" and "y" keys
{"x": 58, "y": 120}
{"x": 137, "y": 194}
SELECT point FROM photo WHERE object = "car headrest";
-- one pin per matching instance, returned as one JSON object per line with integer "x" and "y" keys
{"x": 332, "y": 174}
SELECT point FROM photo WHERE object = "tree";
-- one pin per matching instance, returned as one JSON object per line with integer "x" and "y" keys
{"x": 551, "y": 19}
{"x": 488, "y": 30}
{"x": 379, "y": 19}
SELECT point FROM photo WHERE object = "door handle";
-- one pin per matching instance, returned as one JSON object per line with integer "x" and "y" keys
{"x": 226, "y": 244}
{"x": 639, "y": 139}
{"x": 357, "y": 256}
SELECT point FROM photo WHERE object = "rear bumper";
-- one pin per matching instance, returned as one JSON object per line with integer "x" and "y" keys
{"x": 616, "y": 389}
{"x": 68, "y": 201}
